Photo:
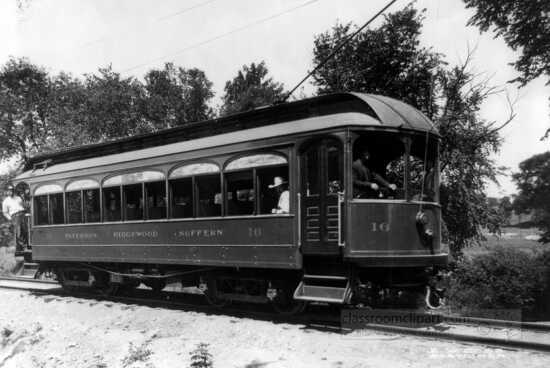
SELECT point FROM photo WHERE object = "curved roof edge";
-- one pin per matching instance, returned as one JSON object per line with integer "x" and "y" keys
{"x": 390, "y": 112}
{"x": 396, "y": 113}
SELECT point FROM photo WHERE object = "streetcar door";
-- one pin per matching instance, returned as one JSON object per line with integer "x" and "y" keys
{"x": 322, "y": 173}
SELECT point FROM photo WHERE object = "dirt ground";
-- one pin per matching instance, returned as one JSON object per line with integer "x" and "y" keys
{"x": 50, "y": 331}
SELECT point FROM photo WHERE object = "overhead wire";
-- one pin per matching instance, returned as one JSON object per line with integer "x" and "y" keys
{"x": 215, "y": 38}
{"x": 160, "y": 19}
{"x": 331, "y": 55}
{"x": 185, "y": 10}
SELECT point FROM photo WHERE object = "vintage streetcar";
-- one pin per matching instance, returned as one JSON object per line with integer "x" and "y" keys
{"x": 199, "y": 205}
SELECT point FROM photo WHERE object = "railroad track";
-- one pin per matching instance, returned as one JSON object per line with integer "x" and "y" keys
{"x": 490, "y": 332}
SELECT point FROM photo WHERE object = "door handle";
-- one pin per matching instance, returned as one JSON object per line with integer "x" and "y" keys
{"x": 341, "y": 242}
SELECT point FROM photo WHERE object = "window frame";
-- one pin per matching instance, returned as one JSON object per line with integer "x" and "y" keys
{"x": 257, "y": 189}
{"x": 48, "y": 202}
{"x": 194, "y": 188}
{"x": 121, "y": 186}
{"x": 82, "y": 205}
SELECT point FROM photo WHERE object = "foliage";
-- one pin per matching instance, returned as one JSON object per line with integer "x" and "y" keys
{"x": 534, "y": 191}
{"x": 200, "y": 357}
{"x": 136, "y": 354}
{"x": 176, "y": 96}
{"x": 24, "y": 126}
{"x": 6, "y": 233}
{"x": 251, "y": 88}
{"x": 40, "y": 112}
{"x": 114, "y": 106}
{"x": 525, "y": 27}
{"x": 389, "y": 60}
{"x": 504, "y": 278}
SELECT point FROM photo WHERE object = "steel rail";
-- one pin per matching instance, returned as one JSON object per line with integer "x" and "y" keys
{"x": 323, "y": 321}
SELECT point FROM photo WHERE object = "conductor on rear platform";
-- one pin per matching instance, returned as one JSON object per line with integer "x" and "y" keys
{"x": 13, "y": 210}
{"x": 281, "y": 187}
{"x": 366, "y": 183}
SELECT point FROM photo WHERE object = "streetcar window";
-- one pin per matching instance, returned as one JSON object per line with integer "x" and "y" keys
{"x": 312, "y": 172}
{"x": 423, "y": 170}
{"x": 48, "y": 204}
{"x": 133, "y": 201}
{"x": 262, "y": 159}
{"x": 91, "y": 205}
{"x": 378, "y": 166}
{"x": 111, "y": 204}
{"x": 240, "y": 193}
{"x": 82, "y": 201}
{"x": 182, "y": 197}
{"x": 334, "y": 169}
{"x": 195, "y": 190}
{"x": 209, "y": 195}
{"x": 269, "y": 197}
{"x": 41, "y": 210}
{"x": 156, "y": 200}
{"x": 56, "y": 208}
{"x": 248, "y": 180}
{"x": 74, "y": 207}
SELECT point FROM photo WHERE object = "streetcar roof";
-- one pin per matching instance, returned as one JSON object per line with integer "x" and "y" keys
{"x": 322, "y": 112}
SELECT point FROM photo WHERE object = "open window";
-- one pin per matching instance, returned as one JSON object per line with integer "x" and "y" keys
{"x": 195, "y": 190}
{"x": 124, "y": 196}
{"x": 424, "y": 169}
{"x": 250, "y": 184}
{"x": 82, "y": 201}
{"x": 48, "y": 205}
{"x": 392, "y": 166}
{"x": 378, "y": 167}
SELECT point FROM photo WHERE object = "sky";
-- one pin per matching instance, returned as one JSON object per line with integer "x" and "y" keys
{"x": 220, "y": 36}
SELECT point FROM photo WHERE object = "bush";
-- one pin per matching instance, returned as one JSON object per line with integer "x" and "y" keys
{"x": 503, "y": 279}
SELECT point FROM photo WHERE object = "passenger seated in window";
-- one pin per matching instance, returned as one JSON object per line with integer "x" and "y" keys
{"x": 366, "y": 183}
{"x": 281, "y": 187}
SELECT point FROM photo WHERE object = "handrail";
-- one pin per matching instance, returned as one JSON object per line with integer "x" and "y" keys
{"x": 341, "y": 243}
{"x": 299, "y": 215}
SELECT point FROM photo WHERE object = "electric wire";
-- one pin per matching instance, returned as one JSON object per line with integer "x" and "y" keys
{"x": 215, "y": 38}
{"x": 336, "y": 50}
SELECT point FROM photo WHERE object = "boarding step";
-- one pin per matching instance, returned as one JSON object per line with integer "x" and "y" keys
{"x": 324, "y": 288}
{"x": 27, "y": 270}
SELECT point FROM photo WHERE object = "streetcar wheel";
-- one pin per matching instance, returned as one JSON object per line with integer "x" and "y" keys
{"x": 45, "y": 274}
{"x": 285, "y": 304}
{"x": 212, "y": 297}
{"x": 434, "y": 298}
{"x": 156, "y": 285}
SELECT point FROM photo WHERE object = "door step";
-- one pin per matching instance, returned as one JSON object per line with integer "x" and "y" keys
{"x": 28, "y": 270}
{"x": 324, "y": 288}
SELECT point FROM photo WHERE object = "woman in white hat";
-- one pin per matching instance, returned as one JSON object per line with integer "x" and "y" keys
{"x": 284, "y": 195}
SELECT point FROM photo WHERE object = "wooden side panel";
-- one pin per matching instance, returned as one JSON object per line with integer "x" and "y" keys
{"x": 246, "y": 242}
{"x": 387, "y": 228}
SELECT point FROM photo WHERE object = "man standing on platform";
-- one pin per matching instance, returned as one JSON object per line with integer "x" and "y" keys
{"x": 13, "y": 210}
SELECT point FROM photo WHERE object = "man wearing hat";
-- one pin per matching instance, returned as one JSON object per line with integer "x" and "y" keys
{"x": 284, "y": 196}
{"x": 13, "y": 210}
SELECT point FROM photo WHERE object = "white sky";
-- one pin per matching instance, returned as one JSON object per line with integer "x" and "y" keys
{"x": 78, "y": 36}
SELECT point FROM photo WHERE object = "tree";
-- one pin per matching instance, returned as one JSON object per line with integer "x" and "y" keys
{"x": 114, "y": 106}
{"x": 176, "y": 96}
{"x": 524, "y": 25}
{"x": 533, "y": 182}
{"x": 251, "y": 88}
{"x": 389, "y": 60}
{"x": 24, "y": 127}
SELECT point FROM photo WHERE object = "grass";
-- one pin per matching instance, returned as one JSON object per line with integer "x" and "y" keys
{"x": 511, "y": 237}
{"x": 7, "y": 260}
